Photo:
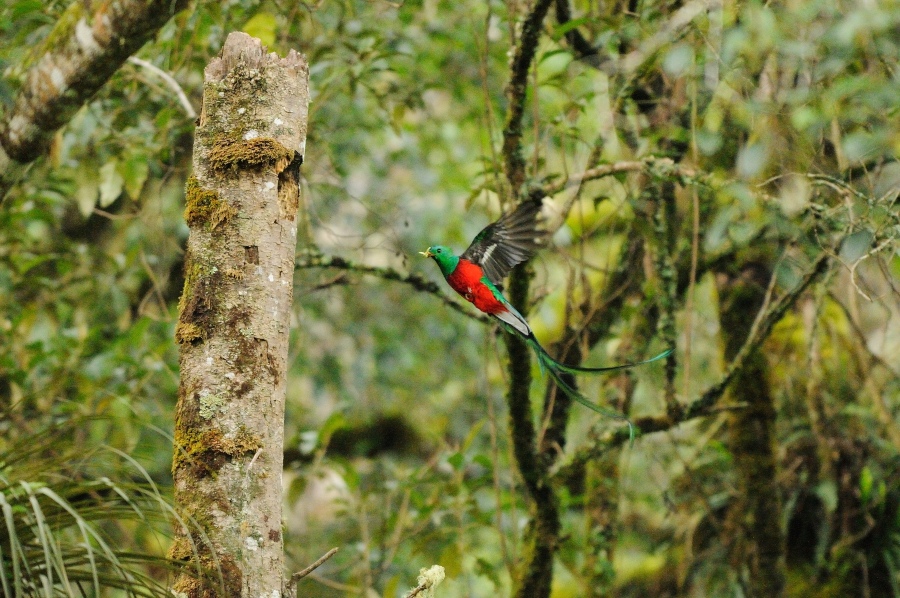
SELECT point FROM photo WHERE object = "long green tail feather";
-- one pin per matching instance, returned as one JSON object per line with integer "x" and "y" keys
{"x": 573, "y": 369}
{"x": 578, "y": 397}
{"x": 555, "y": 368}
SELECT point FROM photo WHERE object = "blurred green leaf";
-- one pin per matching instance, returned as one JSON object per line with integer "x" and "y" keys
{"x": 111, "y": 183}
{"x": 263, "y": 26}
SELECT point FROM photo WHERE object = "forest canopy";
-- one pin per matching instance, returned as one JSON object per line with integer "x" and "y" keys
{"x": 719, "y": 177}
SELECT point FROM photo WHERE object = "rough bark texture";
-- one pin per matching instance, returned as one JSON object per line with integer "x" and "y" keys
{"x": 541, "y": 538}
{"x": 89, "y": 43}
{"x": 754, "y": 517}
{"x": 535, "y": 570}
{"x": 241, "y": 205}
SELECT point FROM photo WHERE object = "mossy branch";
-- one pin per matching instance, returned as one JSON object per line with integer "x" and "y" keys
{"x": 664, "y": 224}
{"x": 707, "y": 403}
{"x": 542, "y": 533}
{"x": 523, "y": 56}
{"x": 88, "y": 44}
{"x": 659, "y": 167}
{"x": 318, "y": 260}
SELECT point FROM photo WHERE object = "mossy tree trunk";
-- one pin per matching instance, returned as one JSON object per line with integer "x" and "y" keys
{"x": 754, "y": 516}
{"x": 241, "y": 206}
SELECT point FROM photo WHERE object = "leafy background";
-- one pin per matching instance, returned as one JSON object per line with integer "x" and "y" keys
{"x": 398, "y": 448}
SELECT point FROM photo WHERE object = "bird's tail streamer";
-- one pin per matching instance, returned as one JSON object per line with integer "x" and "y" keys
{"x": 556, "y": 369}
{"x": 573, "y": 369}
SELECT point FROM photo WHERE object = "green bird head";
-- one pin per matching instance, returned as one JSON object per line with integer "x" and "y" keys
{"x": 444, "y": 257}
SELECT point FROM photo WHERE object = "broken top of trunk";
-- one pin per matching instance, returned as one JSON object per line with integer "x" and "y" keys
{"x": 241, "y": 112}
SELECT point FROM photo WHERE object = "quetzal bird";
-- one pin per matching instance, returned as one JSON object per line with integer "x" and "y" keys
{"x": 476, "y": 274}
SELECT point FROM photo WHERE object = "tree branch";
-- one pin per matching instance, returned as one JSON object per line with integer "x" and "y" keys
{"x": 525, "y": 49}
{"x": 290, "y": 588}
{"x": 706, "y": 403}
{"x": 318, "y": 260}
{"x": 542, "y": 533}
{"x": 80, "y": 54}
{"x": 665, "y": 167}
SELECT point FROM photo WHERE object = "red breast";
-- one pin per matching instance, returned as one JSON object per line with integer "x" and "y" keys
{"x": 466, "y": 280}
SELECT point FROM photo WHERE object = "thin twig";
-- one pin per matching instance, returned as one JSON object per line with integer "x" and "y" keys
{"x": 887, "y": 243}
{"x": 317, "y": 260}
{"x": 170, "y": 81}
{"x": 417, "y": 590}
{"x": 301, "y": 574}
{"x": 428, "y": 579}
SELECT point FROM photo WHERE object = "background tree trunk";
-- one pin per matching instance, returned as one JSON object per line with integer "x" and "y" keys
{"x": 241, "y": 205}
{"x": 754, "y": 519}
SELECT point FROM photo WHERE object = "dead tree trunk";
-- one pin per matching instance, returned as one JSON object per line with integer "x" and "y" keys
{"x": 88, "y": 44}
{"x": 241, "y": 206}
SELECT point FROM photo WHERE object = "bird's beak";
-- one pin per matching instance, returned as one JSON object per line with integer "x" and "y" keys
{"x": 426, "y": 253}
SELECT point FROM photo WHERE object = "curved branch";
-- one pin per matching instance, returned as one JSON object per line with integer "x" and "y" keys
{"x": 88, "y": 44}
{"x": 706, "y": 403}
{"x": 170, "y": 81}
{"x": 317, "y": 260}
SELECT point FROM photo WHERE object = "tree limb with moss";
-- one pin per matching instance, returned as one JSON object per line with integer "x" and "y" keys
{"x": 535, "y": 571}
{"x": 85, "y": 48}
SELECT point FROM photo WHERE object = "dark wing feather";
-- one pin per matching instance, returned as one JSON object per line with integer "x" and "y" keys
{"x": 512, "y": 239}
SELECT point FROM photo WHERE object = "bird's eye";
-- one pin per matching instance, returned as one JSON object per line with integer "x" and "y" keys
{"x": 438, "y": 250}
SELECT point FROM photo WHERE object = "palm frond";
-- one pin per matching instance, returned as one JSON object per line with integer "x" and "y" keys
{"x": 66, "y": 530}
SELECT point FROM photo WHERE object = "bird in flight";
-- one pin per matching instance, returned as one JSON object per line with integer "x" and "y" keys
{"x": 477, "y": 273}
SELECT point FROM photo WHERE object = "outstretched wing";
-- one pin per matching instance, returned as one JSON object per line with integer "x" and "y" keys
{"x": 512, "y": 239}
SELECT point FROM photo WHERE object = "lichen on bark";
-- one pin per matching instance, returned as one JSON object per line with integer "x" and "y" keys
{"x": 234, "y": 318}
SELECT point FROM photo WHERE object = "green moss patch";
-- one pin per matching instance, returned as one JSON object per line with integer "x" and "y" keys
{"x": 227, "y": 154}
{"x": 204, "y": 207}
{"x": 187, "y": 332}
{"x": 208, "y": 451}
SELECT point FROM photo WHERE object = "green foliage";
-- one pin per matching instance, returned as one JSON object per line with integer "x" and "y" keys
{"x": 75, "y": 522}
{"x": 782, "y": 124}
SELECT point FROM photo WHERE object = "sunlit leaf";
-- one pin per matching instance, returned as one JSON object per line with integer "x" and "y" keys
{"x": 111, "y": 183}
